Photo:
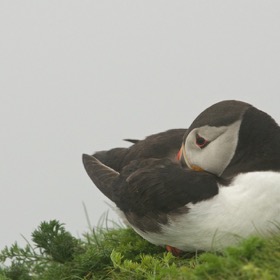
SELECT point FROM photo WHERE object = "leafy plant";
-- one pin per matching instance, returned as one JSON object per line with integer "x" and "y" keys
{"x": 55, "y": 242}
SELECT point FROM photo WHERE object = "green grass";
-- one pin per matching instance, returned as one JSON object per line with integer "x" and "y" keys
{"x": 119, "y": 253}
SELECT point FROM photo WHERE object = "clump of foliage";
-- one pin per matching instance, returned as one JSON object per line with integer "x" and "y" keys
{"x": 119, "y": 253}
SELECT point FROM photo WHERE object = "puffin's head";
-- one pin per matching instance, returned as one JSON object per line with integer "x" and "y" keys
{"x": 212, "y": 140}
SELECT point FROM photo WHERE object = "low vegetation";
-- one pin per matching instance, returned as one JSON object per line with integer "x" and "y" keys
{"x": 119, "y": 253}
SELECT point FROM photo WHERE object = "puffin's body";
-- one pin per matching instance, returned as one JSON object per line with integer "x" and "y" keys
{"x": 225, "y": 187}
{"x": 160, "y": 145}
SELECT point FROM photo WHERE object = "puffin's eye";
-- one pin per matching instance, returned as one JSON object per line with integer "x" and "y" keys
{"x": 201, "y": 142}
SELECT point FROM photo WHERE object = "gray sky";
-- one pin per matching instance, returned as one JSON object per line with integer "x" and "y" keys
{"x": 79, "y": 76}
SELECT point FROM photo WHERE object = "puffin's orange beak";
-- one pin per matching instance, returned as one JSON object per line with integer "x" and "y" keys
{"x": 182, "y": 157}
{"x": 179, "y": 155}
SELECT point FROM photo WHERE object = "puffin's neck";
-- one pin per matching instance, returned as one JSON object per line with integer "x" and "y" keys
{"x": 258, "y": 146}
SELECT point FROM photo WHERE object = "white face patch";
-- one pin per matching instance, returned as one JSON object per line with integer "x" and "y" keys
{"x": 220, "y": 150}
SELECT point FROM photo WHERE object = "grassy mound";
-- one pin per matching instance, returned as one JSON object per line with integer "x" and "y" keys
{"x": 122, "y": 254}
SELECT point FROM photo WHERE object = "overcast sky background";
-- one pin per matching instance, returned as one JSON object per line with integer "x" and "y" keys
{"x": 80, "y": 76}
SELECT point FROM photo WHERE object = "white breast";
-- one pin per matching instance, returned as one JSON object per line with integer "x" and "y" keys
{"x": 249, "y": 206}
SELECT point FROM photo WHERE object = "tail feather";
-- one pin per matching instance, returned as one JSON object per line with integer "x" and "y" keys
{"x": 112, "y": 158}
{"x": 100, "y": 174}
{"x": 134, "y": 141}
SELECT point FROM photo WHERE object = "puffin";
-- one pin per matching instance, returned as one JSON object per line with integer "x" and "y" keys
{"x": 221, "y": 186}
